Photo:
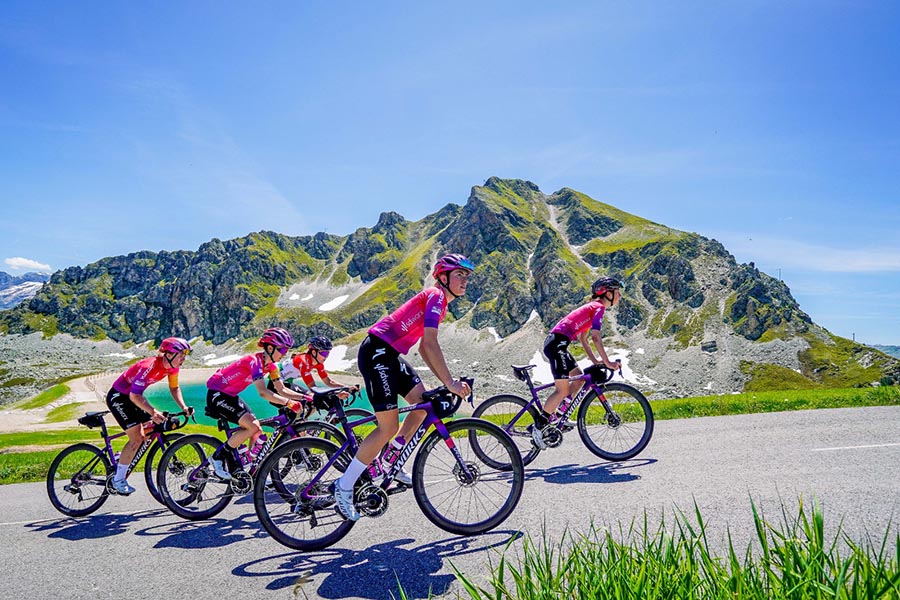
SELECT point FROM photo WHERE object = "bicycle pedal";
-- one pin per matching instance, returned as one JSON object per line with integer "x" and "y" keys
{"x": 397, "y": 488}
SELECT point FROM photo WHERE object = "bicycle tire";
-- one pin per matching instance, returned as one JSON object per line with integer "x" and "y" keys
{"x": 320, "y": 429}
{"x": 300, "y": 524}
{"x": 75, "y": 473}
{"x": 186, "y": 481}
{"x": 151, "y": 464}
{"x": 629, "y": 429}
{"x": 439, "y": 483}
{"x": 500, "y": 410}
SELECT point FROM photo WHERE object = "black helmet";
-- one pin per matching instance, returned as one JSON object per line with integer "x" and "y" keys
{"x": 320, "y": 342}
{"x": 604, "y": 284}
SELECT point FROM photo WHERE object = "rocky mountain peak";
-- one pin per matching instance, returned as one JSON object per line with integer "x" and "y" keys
{"x": 536, "y": 255}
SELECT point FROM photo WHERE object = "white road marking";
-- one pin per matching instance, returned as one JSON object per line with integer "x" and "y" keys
{"x": 855, "y": 447}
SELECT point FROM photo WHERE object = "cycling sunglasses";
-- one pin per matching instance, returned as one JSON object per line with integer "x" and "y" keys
{"x": 323, "y": 353}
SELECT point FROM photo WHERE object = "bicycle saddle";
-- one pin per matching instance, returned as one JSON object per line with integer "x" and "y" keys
{"x": 93, "y": 419}
{"x": 522, "y": 372}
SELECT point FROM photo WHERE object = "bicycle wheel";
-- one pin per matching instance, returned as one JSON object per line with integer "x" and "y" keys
{"x": 352, "y": 414}
{"x": 472, "y": 497}
{"x": 76, "y": 481}
{"x": 297, "y": 515}
{"x": 501, "y": 410}
{"x": 622, "y": 433}
{"x": 151, "y": 463}
{"x": 187, "y": 483}
{"x": 320, "y": 429}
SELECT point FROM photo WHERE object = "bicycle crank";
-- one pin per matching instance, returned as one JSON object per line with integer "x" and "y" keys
{"x": 553, "y": 437}
{"x": 372, "y": 501}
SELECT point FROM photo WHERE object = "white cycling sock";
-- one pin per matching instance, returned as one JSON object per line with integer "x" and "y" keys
{"x": 121, "y": 470}
{"x": 348, "y": 479}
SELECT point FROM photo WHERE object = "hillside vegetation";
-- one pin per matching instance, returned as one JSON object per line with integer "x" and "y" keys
{"x": 537, "y": 254}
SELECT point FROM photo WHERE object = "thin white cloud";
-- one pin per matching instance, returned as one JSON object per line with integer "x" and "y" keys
{"x": 814, "y": 257}
{"x": 18, "y": 263}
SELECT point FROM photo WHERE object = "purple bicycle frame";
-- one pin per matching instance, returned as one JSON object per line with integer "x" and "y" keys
{"x": 535, "y": 401}
{"x": 351, "y": 444}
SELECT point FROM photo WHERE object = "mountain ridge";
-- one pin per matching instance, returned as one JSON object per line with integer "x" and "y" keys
{"x": 536, "y": 254}
{"x": 17, "y": 289}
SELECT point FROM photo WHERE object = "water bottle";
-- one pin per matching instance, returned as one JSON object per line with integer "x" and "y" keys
{"x": 393, "y": 451}
{"x": 375, "y": 471}
{"x": 260, "y": 442}
{"x": 563, "y": 406}
{"x": 244, "y": 455}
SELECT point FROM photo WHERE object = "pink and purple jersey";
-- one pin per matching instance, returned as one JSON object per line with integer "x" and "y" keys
{"x": 143, "y": 374}
{"x": 589, "y": 316}
{"x": 405, "y": 326}
{"x": 238, "y": 376}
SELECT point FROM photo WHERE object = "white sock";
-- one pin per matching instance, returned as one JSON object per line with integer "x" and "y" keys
{"x": 348, "y": 479}
{"x": 121, "y": 470}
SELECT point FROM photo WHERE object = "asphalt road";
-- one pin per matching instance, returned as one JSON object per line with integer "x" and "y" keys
{"x": 848, "y": 460}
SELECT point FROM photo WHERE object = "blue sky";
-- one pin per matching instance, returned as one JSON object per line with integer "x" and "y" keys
{"x": 770, "y": 126}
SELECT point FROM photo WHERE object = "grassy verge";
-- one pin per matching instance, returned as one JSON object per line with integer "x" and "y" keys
{"x": 759, "y": 402}
{"x": 790, "y": 559}
{"x": 22, "y": 455}
{"x": 44, "y": 398}
{"x": 26, "y": 457}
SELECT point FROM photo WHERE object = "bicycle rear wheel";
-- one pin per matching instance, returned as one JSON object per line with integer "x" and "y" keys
{"x": 456, "y": 488}
{"x": 295, "y": 514}
{"x": 501, "y": 410}
{"x": 187, "y": 483}
{"x": 76, "y": 481}
{"x": 621, "y": 432}
{"x": 151, "y": 463}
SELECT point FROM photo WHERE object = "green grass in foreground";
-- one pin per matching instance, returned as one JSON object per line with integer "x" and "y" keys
{"x": 792, "y": 559}
{"x": 44, "y": 398}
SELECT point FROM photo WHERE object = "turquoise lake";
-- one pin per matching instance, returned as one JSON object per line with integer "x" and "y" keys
{"x": 195, "y": 395}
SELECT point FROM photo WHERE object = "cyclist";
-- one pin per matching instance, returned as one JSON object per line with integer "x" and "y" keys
{"x": 226, "y": 383}
{"x": 605, "y": 292}
{"x": 388, "y": 375}
{"x": 302, "y": 364}
{"x": 130, "y": 408}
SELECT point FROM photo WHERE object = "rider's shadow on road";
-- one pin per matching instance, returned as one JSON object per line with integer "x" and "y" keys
{"x": 615, "y": 472}
{"x": 211, "y": 533}
{"x": 374, "y": 572}
{"x": 92, "y": 528}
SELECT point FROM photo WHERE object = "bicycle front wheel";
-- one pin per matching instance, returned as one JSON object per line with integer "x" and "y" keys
{"x": 619, "y": 430}
{"x": 504, "y": 410}
{"x": 187, "y": 482}
{"x": 151, "y": 463}
{"x": 76, "y": 481}
{"x": 294, "y": 512}
{"x": 460, "y": 491}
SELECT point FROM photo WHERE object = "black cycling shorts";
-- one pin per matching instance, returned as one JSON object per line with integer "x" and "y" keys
{"x": 556, "y": 349}
{"x": 225, "y": 406}
{"x": 126, "y": 413}
{"x": 387, "y": 374}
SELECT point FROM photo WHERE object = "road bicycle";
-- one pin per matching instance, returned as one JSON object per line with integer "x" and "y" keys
{"x": 187, "y": 481}
{"x": 80, "y": 477}
{"x": 460, "y": 489}
{"x": 614, "y": 420}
